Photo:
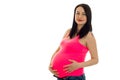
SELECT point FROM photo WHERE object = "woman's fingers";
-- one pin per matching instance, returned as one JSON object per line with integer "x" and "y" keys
{"x": 55, "y": 72}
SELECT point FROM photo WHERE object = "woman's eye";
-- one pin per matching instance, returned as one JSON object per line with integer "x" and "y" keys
{"x": 83, "y": 14}
{"x": 77, "y": 13}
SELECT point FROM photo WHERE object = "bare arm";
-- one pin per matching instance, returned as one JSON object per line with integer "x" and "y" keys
{"x": 66, "y": 34}
{"x": 50, "y": 66}
{"x": 91, "y": 44}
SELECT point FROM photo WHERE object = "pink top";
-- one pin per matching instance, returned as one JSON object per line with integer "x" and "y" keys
{"x": 69, "y": 49}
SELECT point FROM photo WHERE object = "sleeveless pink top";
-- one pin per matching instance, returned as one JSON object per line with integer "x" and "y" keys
{"x": 69, "y": 49}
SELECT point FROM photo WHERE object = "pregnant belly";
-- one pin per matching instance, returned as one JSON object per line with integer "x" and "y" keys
{"x": 62, "y": 59}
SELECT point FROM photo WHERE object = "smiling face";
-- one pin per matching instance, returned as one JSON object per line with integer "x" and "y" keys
{"x": 80, "y": 16}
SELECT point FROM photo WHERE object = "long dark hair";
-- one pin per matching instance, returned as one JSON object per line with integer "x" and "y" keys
{"x": 87, "y": 27}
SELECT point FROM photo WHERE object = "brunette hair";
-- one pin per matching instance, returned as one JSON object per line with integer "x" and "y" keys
{"x": 87, "y": 27}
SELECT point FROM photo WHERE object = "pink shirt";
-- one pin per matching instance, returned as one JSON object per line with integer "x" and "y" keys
{"x": 69, "y": 49}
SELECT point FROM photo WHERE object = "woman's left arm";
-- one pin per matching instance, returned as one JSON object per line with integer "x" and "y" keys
{"x": 91, "y": 45}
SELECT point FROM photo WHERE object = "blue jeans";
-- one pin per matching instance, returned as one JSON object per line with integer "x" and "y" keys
{"x": 82, "y": 77}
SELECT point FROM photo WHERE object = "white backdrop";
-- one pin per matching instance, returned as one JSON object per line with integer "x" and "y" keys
{"x": 31, "y": 30}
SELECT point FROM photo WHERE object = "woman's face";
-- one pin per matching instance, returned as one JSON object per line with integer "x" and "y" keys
{"x": 80, "y": 16}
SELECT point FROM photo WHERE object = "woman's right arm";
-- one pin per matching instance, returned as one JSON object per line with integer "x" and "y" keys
{"x": 65, "y": 35}
{"x": 50, "y": 65}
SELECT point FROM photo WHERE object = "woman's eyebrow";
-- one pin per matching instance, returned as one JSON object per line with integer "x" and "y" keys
{"x": 79, "y": 12}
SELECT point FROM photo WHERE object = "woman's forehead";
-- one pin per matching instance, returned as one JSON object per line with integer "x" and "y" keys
{"x": 80, "y": 9}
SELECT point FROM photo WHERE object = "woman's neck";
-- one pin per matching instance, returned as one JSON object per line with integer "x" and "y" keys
{"x": 79, "y": 28}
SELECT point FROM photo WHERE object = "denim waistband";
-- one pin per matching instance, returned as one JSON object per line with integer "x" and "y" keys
{"x": 81, "y": 77}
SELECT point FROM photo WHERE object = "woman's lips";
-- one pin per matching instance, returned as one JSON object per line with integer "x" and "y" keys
{"x": 80, "y": 20}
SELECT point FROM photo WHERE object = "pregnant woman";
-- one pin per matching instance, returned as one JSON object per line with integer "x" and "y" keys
{"x": 68, "y": 61}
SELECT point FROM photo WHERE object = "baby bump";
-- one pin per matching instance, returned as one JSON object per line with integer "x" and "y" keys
{"x": 59, "y": 61}
{"x": 62, "y": 59}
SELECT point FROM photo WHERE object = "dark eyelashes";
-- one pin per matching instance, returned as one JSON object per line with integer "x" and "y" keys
{"x": 79, "y": 13}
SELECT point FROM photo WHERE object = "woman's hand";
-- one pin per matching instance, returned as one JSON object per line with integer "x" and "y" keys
{"x": 71, "y": 67}
{"x": 53, "y": 71}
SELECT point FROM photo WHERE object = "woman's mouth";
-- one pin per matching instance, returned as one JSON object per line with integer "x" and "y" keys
{"x": 80, "y": 20}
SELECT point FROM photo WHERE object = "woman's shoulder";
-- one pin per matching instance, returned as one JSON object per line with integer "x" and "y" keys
{"x": 67, "y": 33}
{"x": 68, "y": 30}
{"x": 90, "y": 36}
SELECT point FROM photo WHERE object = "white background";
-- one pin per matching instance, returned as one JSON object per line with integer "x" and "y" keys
{"x": 31, "y": 30}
